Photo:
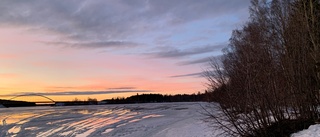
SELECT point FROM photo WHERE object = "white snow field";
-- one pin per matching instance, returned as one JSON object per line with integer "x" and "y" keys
{"x": 312, "y": 131}
{"x": 125, "y": 120}
{"x": 122, "y": 120}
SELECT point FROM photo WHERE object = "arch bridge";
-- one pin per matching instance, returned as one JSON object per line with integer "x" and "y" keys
{"x": 50, "y": 101}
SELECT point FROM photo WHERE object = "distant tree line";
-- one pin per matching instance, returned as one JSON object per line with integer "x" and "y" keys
{"x": 76, "y": 101}
{"x": 268, "y": 81}
{"x": 11, "y": 103}
{"x": 143, "y": 98}
{"x": 152, "y": 98}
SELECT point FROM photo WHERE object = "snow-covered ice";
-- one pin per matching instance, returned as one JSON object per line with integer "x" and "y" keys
{"x": 312, "y": 131}
{"x": 125, "y": 120}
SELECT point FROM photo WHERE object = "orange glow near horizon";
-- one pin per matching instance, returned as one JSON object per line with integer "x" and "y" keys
{"x": 74, "y": 48}
{"x": 28, "y": 65}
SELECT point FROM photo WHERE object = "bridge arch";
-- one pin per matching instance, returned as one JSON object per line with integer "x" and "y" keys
{"x": 39, "y": 95}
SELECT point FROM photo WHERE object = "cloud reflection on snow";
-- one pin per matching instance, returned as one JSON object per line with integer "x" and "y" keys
{"x": 68, "y": 121}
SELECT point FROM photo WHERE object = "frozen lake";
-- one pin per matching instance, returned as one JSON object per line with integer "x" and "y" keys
{"x": 122, "y": 120}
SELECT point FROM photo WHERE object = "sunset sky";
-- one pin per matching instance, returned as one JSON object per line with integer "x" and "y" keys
{"x": 109, "y": 48}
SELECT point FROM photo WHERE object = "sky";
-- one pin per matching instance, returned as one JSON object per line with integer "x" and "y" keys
{"x": 112, "y": 48}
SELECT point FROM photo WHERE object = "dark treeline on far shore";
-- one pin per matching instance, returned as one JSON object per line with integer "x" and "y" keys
{"x": 11, "y": 103}
{"x": 143, "y": 98}
{"x": 150, "y": 98}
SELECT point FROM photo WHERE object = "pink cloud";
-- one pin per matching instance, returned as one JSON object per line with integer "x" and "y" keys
{"x": 34, "y": 66}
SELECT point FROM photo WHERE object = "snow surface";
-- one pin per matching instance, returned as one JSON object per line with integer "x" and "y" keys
{"x": 126, "y": 120}
{"x": 312, "y": 131}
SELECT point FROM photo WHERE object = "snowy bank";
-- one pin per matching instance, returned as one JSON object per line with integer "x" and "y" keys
{"x": 312, "y": 131}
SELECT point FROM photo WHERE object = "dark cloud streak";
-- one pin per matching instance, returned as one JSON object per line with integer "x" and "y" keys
{"x": 69, "y": 93}
{"x": 205, "y": 60}
{"x": 102, "y": 44}
{"x": 199, "y": 74}
{"x": 197, "y": 61}
{"x": 171, "y": 52}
